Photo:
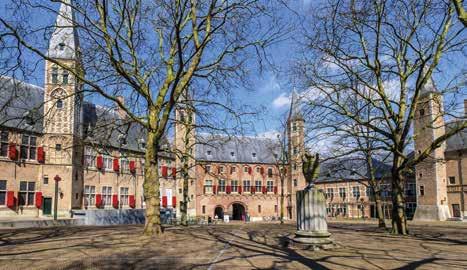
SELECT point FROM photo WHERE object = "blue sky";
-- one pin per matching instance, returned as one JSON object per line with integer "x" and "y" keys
{"x": 271, "y": 88}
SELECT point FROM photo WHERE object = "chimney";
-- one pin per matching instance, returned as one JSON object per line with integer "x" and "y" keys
{"x": 118, "y": 109}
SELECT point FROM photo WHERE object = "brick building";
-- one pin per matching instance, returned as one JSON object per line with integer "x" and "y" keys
{"x": 98, "y": 155}
{"x": 96, "y": 152}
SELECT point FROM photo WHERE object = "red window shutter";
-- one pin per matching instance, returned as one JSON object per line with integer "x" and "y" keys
{"x": 275, "y": 190}
{"x": 115, "y": 201}
{"x": 174, "y": 201}
{"x": 12, "y": 151}
{"x": 239, "y": 189}
{"x": 174, "y": 172}
{"x": 253, "y": 189}
{"x": 40, "y": 154}
{"x": 265, "y": 190}
{"x": 164, "y": 201}
{"x": 132, "y": 166}
{"x": 39, "y": 199}
{"x": 228, "y": 189}
{"x": 132, "y": 201}
{"x": 250, "y": 170}
{"x": 100, "y": 162}
{"x": 214, "y": 189}
{"x": 262, "y": 170}
{"x": 10, "y": 199}
{"x": 98, "y": 200}
{"x": 164, "y": 171}
{"x": 116, "y": 165}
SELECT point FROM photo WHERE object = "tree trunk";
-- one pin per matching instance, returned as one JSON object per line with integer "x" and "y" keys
{"x": 282, "y": 198}
{"x": 379, "y": 210}
{"x": 151, "y": 187}
{"x": 399, "y": 221}
{"x": 184, "y": 203}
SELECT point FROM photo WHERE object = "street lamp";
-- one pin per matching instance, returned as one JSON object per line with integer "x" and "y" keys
{"x": 282, "y": 160}
{"x": 57, "y": 179}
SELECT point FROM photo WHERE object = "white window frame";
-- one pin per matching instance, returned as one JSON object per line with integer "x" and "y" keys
{"x": 106, "y": 195}
{"x": 3, "y": 192}
{"x": 221, "y": 188}
{"x": 246, "y": 186}
{"x": 270, "y": 186}
{"x": 234, "y": 185}
{"x": 90, "y": 195}
{"x": 208, "y": 185}
{"x": 124, "y": 196}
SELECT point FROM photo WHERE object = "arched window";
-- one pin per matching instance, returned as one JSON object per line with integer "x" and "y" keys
{"x": 54, "y": 75}
{"x": 59, "y": 104}
{"x": 59, "y": 94}
{"x": 65, "y": 77}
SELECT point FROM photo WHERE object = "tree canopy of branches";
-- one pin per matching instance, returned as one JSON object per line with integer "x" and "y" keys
{"x": 384, "y": 53}
{"x": 150, "y": 52}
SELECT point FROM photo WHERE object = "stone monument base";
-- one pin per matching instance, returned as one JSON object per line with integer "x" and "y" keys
{"x": 312, "y": 241}
{"x": 432, "y": 213}
{"x": 312, "y": 230}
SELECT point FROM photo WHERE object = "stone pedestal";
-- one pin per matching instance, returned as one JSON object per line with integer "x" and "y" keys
{"x": 432, "y": 213}
{"x": 312, "y": 228}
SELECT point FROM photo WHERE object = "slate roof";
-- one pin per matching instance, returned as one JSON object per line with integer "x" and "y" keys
{"x": 351, "y": 169}
{"x": 21, "y": 108}
{"x": 21, "y": 105}
{"x": 64, "y": 43}
{"x": 220, "y": 148}
{"x": 457, "y": 141}
{"x": 103, "y": 126}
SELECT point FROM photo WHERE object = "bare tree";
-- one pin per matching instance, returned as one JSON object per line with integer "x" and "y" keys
{"x": 461, "y": 14}
{"x": 150, "y": 52}
{"x": 391, "y": 49}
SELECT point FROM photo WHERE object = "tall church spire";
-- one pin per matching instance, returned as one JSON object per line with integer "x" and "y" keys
{"x": 429, "y": 86}
{"x": 64, "y": 41}
{"x": 295, "y": 110}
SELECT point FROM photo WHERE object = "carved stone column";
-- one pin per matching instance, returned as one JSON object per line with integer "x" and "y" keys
{"x": 312, "y": 228}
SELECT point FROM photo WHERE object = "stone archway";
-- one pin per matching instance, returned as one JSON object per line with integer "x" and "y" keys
{"x": 219, "y": 212}
{"x": 238, "y": 211}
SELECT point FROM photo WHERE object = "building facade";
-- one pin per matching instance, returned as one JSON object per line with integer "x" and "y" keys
{"x": 57, "y": 147}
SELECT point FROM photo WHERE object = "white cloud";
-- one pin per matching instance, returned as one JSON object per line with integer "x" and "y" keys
{"x": 281, "y": 101}
{"x": 270, "y": 134}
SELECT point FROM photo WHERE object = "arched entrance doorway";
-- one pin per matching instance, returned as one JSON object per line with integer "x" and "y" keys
{"x": 219, "y": 212}
{"x": 238, "y": 212}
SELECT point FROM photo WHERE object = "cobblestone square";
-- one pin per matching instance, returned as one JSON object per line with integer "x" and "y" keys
{"x": 233, "y": 246}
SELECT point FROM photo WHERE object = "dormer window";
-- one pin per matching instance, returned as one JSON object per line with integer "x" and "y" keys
{"x": 54, "y": 75}
{"x": 208, "y": 152}
{"x": 253, "y": 155}
{"x": 61, "y": 46}
{"x": 142, "y": 144}
{"x": 65, "y": 77}
{"x": 59, "y": 104}
{"x": 232, "y": 154}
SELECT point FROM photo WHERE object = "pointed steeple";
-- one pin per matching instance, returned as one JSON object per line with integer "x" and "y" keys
{"x": 295, "y": 110}
{"x": 429, "y": 86}
{"x": 64, "y": 41}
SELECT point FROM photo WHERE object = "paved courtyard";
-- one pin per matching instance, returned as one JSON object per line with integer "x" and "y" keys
{"x": 233, "y": 246}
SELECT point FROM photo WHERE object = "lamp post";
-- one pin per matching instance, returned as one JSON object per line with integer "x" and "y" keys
{"x": 57, "y": 179}
{"x": 282, "y": 161}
